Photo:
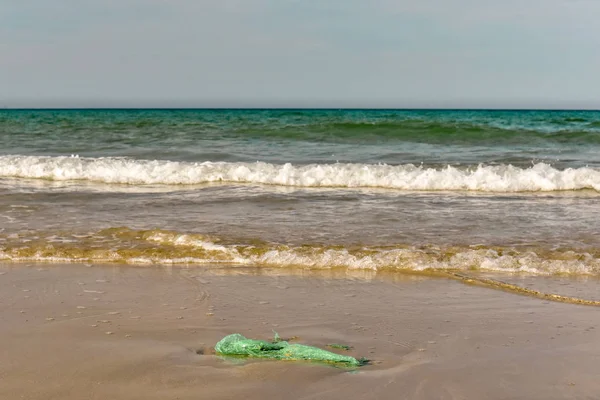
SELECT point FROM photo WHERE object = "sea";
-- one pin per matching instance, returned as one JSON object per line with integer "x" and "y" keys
{"x": 508, "y": 192}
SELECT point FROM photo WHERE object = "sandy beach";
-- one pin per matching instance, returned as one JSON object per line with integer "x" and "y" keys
{"x": 118, "y": 332}
{"x": 203, "y": 200}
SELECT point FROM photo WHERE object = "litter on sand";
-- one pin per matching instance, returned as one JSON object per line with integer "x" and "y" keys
{"x": 278, "y": 349}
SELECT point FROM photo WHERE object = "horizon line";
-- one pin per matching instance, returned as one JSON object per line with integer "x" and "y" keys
{"x": 167, "y": 108}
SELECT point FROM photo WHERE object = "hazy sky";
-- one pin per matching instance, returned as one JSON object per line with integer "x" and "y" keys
{"x": 377, "y": 53}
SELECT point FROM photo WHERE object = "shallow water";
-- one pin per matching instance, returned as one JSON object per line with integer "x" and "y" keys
{"x": 507, "y": 191}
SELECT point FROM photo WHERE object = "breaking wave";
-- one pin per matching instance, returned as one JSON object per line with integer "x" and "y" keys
{"x": 124, "y": 245}
{"x": 539, "y": 177}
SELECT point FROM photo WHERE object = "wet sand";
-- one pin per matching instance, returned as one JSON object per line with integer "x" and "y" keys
{"x": 117, "y": 332}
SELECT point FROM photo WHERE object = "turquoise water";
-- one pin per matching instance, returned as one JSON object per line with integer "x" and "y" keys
{"x": 562, "y": 138}
{"x": 507, "y": 191}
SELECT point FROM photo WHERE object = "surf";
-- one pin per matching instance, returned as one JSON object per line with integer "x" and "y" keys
{"x": 123, "y": 245}
{"x": 505, "y": 178}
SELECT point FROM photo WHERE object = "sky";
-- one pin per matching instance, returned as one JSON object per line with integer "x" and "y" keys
{"x": 300, "y": 53}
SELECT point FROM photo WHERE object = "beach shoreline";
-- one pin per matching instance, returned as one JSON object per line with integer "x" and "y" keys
{"x": 126, "y": 332}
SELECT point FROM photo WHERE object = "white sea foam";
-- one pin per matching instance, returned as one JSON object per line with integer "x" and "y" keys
{"x": 176, "y": 248}
{"x": 485, "y": 178}
{"x": 405, "y": 259}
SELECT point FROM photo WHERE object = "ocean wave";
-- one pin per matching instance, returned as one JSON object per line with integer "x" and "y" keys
{"x": 123, "y": 245}
{"x": 459, "y": 131}
{"x": 539, "y": 177}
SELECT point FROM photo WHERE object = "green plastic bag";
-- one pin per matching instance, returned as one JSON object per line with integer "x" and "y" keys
{"x": 238, "y": 345}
